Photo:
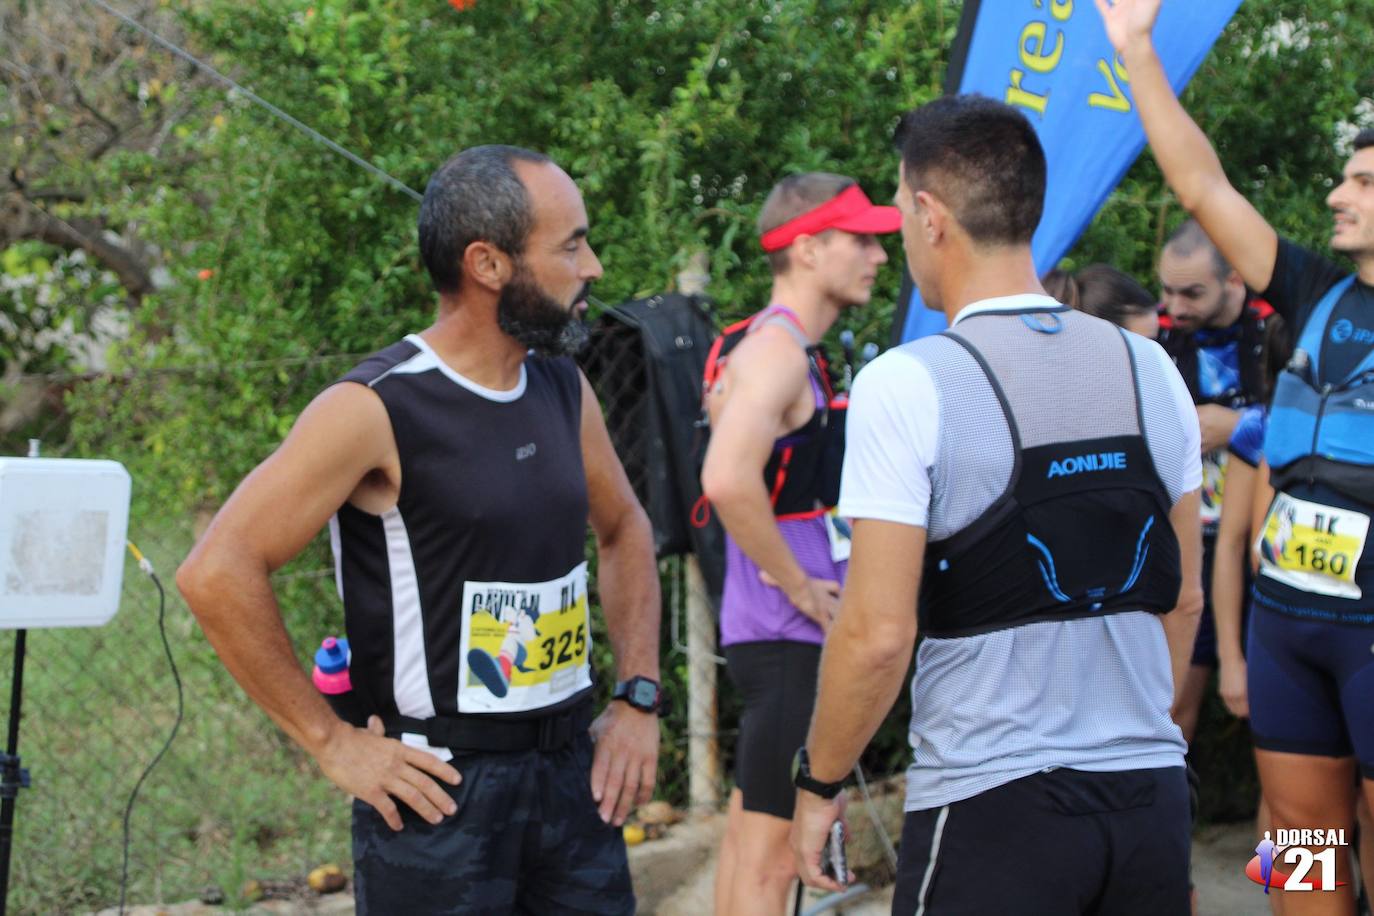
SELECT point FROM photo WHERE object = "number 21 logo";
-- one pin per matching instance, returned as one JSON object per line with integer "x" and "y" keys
{"x": 1301, "y": 878}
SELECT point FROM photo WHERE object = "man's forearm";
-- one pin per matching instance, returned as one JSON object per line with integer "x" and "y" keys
{"x": 861, "y": 674}
{"x": 627, "y": 578}
{"x": 239, "y": 615}
{"x": 1229, "y": 570}
{"x": 1180, "y": 630}
{"x": 1184, "y": 154}
{"x": 748, "y": 516}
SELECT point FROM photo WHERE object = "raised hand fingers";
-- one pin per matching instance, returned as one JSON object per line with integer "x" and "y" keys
{"x": 1104, "y": 7}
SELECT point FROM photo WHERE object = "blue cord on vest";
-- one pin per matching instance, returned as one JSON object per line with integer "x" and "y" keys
{"x": 1036, "y": 323}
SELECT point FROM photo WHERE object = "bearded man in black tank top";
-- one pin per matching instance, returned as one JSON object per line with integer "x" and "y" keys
{"x": 458, "y": 470}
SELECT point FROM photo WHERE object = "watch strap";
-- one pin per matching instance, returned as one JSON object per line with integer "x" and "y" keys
{"x": 624, "y": 690}
{"x": 802, "y": 778}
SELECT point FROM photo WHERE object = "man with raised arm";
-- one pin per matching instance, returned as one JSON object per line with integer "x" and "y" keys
{"x": 1310, "y": 671}
{"x": 458, "y": 470}
{"x": 1023, "y": 490}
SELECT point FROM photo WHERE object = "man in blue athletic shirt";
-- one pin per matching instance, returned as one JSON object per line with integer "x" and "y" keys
{"x": 1310, "y": 671}
{"x": 458, "y": 470}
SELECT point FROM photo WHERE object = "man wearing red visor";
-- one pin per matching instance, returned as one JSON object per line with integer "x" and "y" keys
{"x": 772, "y": 472}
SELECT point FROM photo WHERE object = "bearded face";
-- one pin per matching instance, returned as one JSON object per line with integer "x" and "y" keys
{"x": 537, "y": 320}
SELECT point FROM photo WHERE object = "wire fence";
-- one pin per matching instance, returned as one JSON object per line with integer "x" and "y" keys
{"x": 231, "y": 802}
{"x": 234, "y": 810}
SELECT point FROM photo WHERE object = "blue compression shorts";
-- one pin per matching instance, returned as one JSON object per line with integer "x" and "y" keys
{"x": 1311, "y": 686}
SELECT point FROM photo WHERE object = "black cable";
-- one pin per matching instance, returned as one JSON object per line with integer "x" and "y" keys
{"x": 176, "y": 676}
{"x": 259, "y": 100}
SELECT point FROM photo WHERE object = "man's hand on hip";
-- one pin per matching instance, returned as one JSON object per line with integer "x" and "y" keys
{"x": 818, "y": 599}
{"x": 376, "y": 769}
{"x": 625, "y": 764}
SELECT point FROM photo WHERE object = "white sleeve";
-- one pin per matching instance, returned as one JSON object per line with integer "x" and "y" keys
{"x": 890, "y": 442}
{"x": 1171, "y": 423}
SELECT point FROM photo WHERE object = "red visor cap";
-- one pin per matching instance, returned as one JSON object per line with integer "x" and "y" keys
{"x": 850, "y": 210}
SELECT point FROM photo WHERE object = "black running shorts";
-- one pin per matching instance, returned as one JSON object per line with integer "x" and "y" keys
{"x": 1057, "y": 843}
{"x": 777, "y": 681}
{"x": 527, "y": 838}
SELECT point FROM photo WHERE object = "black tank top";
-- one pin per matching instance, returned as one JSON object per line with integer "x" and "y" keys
{"x": 470, "y": 596}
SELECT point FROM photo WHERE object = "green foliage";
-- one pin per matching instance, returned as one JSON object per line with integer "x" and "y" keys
{"x": 284, "y": 263}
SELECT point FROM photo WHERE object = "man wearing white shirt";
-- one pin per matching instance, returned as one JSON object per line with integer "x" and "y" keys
{"x": 1029, "y": 478}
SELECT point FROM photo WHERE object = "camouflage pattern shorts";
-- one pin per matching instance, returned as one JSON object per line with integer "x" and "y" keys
{"x": 526, "y": 839}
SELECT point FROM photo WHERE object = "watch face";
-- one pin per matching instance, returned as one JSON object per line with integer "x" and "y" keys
{"x": 643, "y": 693}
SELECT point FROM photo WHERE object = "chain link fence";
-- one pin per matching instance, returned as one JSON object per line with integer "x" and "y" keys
{"x": 234, "y": 809}
{"x": 232, "y": 800}
{"x": 644, "y": 361}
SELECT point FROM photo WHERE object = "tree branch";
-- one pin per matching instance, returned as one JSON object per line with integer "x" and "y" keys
{"x": 25, "y": 220}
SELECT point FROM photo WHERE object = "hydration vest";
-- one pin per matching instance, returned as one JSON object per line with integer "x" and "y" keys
{"x": 1182, "y": 348}
{"x": 803, "y": 471}
{"x": 1082, "y": 529}
{"x": 1323, "y": 433}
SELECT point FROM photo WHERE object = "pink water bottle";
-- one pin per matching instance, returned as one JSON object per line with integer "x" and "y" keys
{"x": 331, "y": 679}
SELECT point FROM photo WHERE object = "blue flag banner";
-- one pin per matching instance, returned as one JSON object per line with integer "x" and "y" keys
{"x": 1052, "y": 60}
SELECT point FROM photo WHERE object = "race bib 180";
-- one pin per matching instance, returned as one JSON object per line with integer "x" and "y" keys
{"x": 1313, "y": 547}
{"x": 526, "y": 645}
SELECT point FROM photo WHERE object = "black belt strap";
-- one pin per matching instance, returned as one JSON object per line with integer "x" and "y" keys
{"x": 482, "y": 733}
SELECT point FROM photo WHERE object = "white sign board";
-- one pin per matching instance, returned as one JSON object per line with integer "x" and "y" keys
{"x": 63, "y": 525}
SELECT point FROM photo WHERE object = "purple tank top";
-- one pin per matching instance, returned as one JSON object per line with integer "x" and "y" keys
{"x": 753, "y": 612}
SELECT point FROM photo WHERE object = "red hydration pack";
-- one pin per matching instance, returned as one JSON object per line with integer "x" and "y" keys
{"x": 803, "y": 473}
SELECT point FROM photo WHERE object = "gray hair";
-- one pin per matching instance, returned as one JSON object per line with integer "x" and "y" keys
{"x": 474, "y": 197}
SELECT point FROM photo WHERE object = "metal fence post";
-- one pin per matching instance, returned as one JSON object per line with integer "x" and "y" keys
{"x": 703, "y": 749}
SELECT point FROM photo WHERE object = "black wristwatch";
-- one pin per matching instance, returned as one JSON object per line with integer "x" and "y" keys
{"x": 802, "y": 778}
{"x": 642, "y": 693}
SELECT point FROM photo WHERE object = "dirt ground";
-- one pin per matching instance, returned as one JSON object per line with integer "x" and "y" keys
{"x": 674, "y": 877}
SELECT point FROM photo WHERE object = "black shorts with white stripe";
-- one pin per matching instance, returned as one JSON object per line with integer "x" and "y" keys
{"x": 1056, "y": 843}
